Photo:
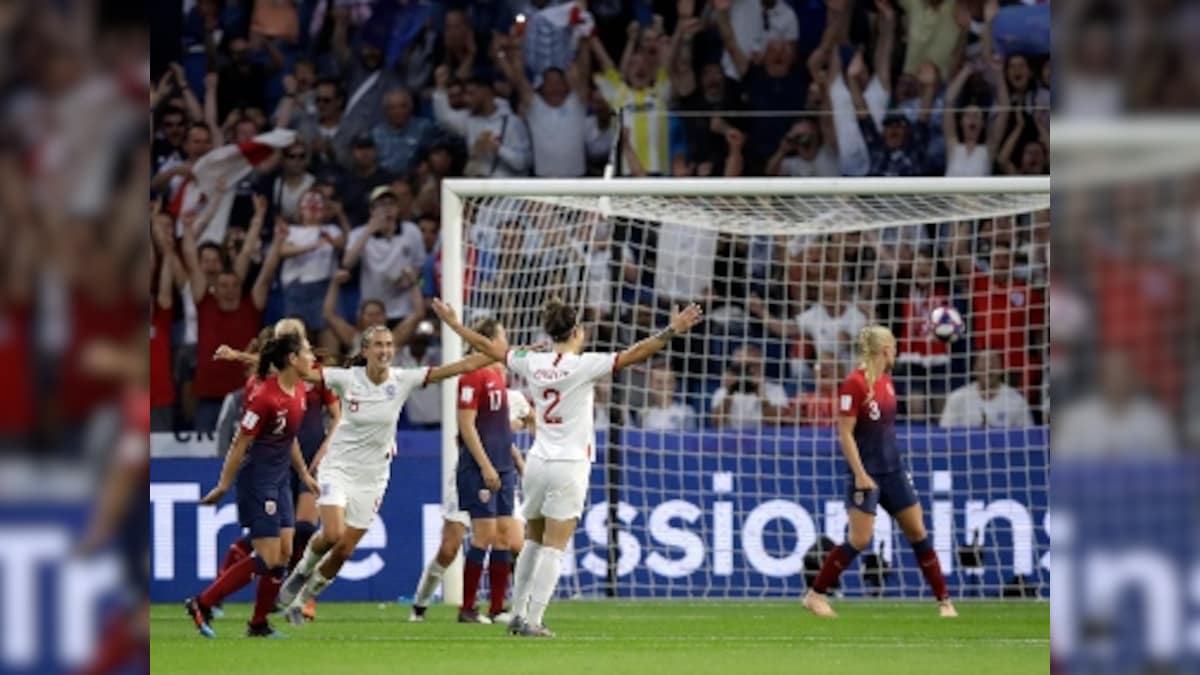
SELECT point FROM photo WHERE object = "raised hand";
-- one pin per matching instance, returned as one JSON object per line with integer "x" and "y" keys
{"x": 682, "y": 321}
{"x": 444, "y": 311}
{"x": 685, "y": 8}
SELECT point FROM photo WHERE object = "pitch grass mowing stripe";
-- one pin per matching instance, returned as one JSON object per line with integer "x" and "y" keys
{"x": 611, "y": 638}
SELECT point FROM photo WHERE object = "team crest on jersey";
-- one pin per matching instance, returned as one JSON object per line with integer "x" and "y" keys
{"x": 270, "y": 507}
{"x": 1017, "y": 298}
{"x": 521, "y": 353}
{"x": 390, "y": 390}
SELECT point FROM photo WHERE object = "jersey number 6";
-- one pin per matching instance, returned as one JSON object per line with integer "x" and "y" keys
{"x": 553, "y": 396}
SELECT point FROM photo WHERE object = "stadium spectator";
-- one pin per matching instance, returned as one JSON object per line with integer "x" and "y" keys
{"x": 309, "y": 253}
{"x": 971, "y": 152}
{"x": 922, "y": 369}
{"x": 1008, "y": 316}
{"x": 555, "y": 106}
{"x": 323, "y": 129}
{"x": 364, "y": 74}
{"x": 932, "y": 32}
{"x": 803, "y": 153}
{"x": 601, "y": 132}
{"x": 988, "y": 401}
{"x": 497, "y": 140}
{"x": 718, "y": 97}
{"x": 303, "y": 92}
{"x": 170, "y": 132}
{"x": 819, "y": 407}
{"x": 423, "y": 408}
{"x": 174, "y": 172}
{"x": 292, "y": 182}
{"x": 391, "y": 253}
{"x": 243, "y": 80}
{"x": 364, "y": 175}
{"x": 828, "y": 325}
{"x": 1118, "y": 420}
{"x": 224, "y": 315}
{"x": 900, "y": 149}
{"x": 745, "y": 398}
{"x": 663, "y": 410}
{"x": 401, "y": 138}
{"x": 371, "y": 312}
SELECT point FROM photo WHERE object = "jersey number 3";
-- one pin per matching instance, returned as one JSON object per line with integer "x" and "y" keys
{"x": 873, "y": 409}
{"x": 553, "y": 396}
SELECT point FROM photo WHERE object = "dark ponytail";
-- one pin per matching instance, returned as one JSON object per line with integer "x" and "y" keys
{"x": 276, "y": 352}
{"x": 558, "y": 320}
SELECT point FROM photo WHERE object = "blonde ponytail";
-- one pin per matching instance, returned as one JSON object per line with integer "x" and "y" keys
{"x": 871, "y": 340}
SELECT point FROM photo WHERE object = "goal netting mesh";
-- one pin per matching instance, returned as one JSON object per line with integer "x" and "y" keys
{"x": 718, "y": 473}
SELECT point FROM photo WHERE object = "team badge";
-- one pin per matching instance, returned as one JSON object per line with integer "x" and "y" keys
{"x": 1017, "y": 298}
{"x": 390, "y": 390}
{"x": 858, "y": 497}
{"x": 485, "y": 495}
{"x": 269, "y": 507}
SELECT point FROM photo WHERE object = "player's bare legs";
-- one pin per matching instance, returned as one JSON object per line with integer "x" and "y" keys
{"x": 862, "y": 527}
{"x": 912, "y": 522}
{"x": 341, "y": 542}
{"x": 333, "y": 523}
{"x": 556, "y": 534}
{"x": 453, "y": 534}
{"x": 522, "y": 587}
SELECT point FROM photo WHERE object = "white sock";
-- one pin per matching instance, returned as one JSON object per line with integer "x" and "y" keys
{"x": 545, "y": 580}
{"x": 310, "y": 559}
{"x": 522, "y": 576}
{"x": 312, "y": 588}
{"x": 431, "y": 578}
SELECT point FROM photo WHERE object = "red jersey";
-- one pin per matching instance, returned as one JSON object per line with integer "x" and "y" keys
{"x": 215, "y": 379}
{"x": 486, "y": 392}
{"x": 272, "y": 419}
{"x": 1003, "y": 315}
{"x": 162, "y": 381}
{"x": 17, "y": 415}
{"x": 816, "y": 409}
{"x": 916, "y": 338}
{"x": 875, "y": 428}
{"x": 92, "y": 321}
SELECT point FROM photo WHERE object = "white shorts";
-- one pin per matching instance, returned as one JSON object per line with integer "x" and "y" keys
{"x": 450, "y": 510}
{"x": 360, "y": 499}
{"x": 555, "y": 490}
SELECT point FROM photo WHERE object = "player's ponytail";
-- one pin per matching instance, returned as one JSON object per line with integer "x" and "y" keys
{"x": 276, "y": 352}
{"x": 871, "y": 340}
{"x": 558, "y": 320}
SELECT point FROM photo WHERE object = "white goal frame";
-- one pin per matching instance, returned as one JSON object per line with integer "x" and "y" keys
{"x": 456, "y": 190}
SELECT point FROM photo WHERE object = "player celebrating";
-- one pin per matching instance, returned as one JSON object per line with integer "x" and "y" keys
{"x": 556, "y": 479}
{"x": 454, "y": 528}
{"x": 355, "y": 471}
{"x": 266, "y": 442}
{"x": 867, "y": 431}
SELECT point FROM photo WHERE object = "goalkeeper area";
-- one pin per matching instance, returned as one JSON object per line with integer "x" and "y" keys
{"x": 615, "y": 637}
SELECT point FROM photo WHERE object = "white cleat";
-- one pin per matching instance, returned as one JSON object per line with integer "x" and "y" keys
{"x": 417, "y": 615}
{"x": 291, "y": 587}
{"x": 946, "y": 610}
{"x": 294, "y": 615}
{"x": 502, "y": 617}
{"x": 817, "y": 604}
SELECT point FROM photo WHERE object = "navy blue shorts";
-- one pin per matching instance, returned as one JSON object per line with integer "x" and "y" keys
{"x": 480, "y": 502}
{"x": 895, "y": 493}
{"x": 265, "y": 508}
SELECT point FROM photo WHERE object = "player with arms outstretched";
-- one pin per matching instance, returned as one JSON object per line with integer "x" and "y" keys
{"x": 562, "y": 383}
{"x": 356, "y": 468}
{"x": 878, "y": 477}
{"x": 259, "y": 460}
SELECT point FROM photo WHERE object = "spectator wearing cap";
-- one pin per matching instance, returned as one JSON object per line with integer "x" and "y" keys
{"x": 554, "y": 104}
{"x": 400, "y": 138}
{"x": 391, "y": 252}
{"x": 364, "y": 175}
{"x": 497, "y": 140}
{"x": 900, "y": 149}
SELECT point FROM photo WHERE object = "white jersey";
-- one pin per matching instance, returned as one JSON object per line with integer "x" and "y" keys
{"x": 364, "y": 440}
{"x": 563, "y": 388}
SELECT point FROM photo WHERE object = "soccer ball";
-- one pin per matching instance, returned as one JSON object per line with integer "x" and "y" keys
{"x": 946, "y": 323}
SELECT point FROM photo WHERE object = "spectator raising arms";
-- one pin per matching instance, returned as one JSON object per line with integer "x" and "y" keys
{"x": 309, "y": 253}
{"x": 497, "y": 140}
{"x": 392, "y": 252}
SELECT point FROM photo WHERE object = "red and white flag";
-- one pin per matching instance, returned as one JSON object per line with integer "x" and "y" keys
{"x": 226, "y": 165}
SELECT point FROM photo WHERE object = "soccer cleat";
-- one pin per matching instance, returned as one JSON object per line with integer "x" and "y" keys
{"x": 817, "y": 604}
{"x": 472, "y": 616}
{"x": 503, "y": 616}
{"x": 294, "y": 615}
{"x": 199, "y": 616}
{"x": 263, "y": 630}
{"x": 310, "y": 610}
{"x": 535, "y": 631}
{"x": 216, "y": 612}
{"x": 946, "y": 609}
{"x": 516, "y": 625}
{"x": 417, "y": 615}
{"x": 291, "y": 587}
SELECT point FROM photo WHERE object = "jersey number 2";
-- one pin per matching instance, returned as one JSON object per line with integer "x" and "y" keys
{"x": 280, "y": 423}
{"x": 553, "y": 396}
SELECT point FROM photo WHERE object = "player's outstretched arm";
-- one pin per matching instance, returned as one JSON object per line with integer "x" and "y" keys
{"x": 495, "y": 349}
{"x": 681, "y": 322}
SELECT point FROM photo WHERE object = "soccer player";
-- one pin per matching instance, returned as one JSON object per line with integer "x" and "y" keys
{"x": 878, "y": 477}
{"x": 455, "y": 521}
{"x": 259, "y": 460}
{"x": 355, "y": 471}
{"x": 556, "y": 480}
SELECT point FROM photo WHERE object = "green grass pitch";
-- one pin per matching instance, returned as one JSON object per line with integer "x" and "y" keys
{"x": 609, "y": 637}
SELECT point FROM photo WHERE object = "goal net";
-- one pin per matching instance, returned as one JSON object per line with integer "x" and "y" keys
{"x": 718, "y": 472}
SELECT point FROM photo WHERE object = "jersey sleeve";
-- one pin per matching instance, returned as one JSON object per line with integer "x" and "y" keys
{"x": 412, "y": 378}
{"x": 517, "y": 360}
{"x": 337, "y": 380}
{"x": 257, "y": 409}
{"x": 596, "y": 365}
{"x": 469, "y": 386}
{"x": 851, "y": 395}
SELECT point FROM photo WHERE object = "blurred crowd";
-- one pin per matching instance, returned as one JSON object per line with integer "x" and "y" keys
{"x": 299, "y": 149}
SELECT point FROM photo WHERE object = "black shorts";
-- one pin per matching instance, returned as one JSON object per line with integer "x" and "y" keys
{"x": 265, "y": 507}
{"x": 895, "y": 493}
{"x": 476, "y": 499}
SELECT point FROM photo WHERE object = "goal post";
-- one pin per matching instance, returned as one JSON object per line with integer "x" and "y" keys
{"x": 692, "y": 499}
